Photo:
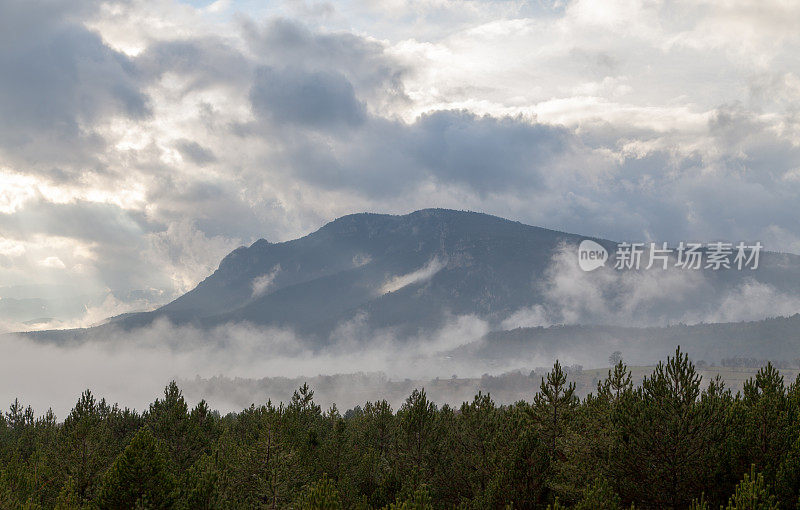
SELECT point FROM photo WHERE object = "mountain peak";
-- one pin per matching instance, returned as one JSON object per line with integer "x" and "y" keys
{"x": 431, "y": 216}
{"x": 408, "y": 274}
{"x": 346, "y": 264}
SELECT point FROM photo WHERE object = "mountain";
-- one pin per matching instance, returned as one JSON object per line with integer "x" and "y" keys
{"x": 408, "y": 274}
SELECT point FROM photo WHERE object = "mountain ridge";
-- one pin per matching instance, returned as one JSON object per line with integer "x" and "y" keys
{"x": 371, "y": 237}
{"x": 406, "y": 274}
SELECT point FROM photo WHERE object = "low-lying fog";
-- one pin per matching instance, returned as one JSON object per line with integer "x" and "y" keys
{"x": 133, "y": 367}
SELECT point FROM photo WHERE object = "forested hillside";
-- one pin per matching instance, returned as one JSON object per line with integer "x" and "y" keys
{"x": 775, "y": 339}
{"x": 672, "y": 441}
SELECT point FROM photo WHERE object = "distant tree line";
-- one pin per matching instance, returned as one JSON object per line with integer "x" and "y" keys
{"x": 744, "y": 362}
{"x": 670, "y": 442}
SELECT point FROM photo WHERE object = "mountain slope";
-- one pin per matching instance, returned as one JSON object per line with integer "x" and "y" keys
{"x": 476, "y": 263}
{"x": 409, "y": 273}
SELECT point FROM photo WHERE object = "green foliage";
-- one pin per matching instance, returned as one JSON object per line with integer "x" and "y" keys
{"x": 420, "y": 499}
{"x": 668, "y": 442}
{"x": 699, "y": 504}
{"x": 416, "y": 435}
{"x": 68, "y": 496}
{"x": 599, "y": 496}
{"x": 370, "y": 454}
{"x": 668, "y": 435}
{"x": 616, "y": 383}
{"x": 525, "y": 464}
{"x": 139, "y": 478}
{"x": 321, "y": 495}
{"x": 752, "y": 493}
{"x": 555, "y": 399}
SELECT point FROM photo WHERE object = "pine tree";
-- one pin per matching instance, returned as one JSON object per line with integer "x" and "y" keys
{"x": 417, "y": 424}
{"x": 524, "y": 462}
{"x": 787, "y": 483}
{"x": 420, "y": 499}
{"x": 555, "y": 399}
{"x": 255, "y": 464}
{"x": 598, "y": 496}
{"x": 304, "y": 430}
{"x": 140, "y": 476}
{"x": 764, "y": 439}
{"x": 616, "y": 383}
{"x": 371, "y": 453}
{"x": 669, "y": 434}
{"x": 68, "y": 498}
{"x": 168, "y": 418}
{"x": 752, "y": 493}
{"x": 473, "y": 445}
{"x": 200, "y": 485}
{"x": 321, "y": 495}
{"x": 85, "y": 450}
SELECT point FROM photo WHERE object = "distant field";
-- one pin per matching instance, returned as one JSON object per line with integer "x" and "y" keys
{"x": 350, "y": 390}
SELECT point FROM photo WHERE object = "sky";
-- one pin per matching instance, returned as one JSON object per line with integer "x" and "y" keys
{"x": 141, "y": 141}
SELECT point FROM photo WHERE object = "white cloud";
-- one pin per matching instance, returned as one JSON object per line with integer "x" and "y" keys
{"x": 133, "y": 367}
{"x": 11, "y": 248}
{"x": 261, "y": 284}
{"x": 754, "y": 301}
{"x": 645, "y": 297}
{"x": 422, "y": 274}
{"x": 52, "y": 262}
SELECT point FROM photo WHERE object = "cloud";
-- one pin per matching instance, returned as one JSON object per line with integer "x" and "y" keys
{"x": 530, "y": 317}
{"x": 188, "y": 254}
{"x": 132, "y": 367}
{"x": 58, "y": 80}
{"x": 80, "y": 219}
{"x": 142, "y": 131}
{"x": 52, "y": 262}
{"x": 261, "y": 284}
{"x": 422, "y": 274}
{"x": 482, "y": 155}
{"x": 375, "y": 75}
{"x": 203, "y": 62}
{"x": 654, "y": 297}
{"x": 316, "y": 100}
{"x": 753, "y": 300}
{"x": 195, "y": 152}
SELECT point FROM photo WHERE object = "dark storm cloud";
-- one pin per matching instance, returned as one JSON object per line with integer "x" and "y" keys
{"x": 387, "y": 158}
{"x": 195, "y": 152}
{"x": 279, "y": 43}
{"x": 488, "y": 153}
{"x": 290, "y": 41}
{"x": 308, "y": 86}
{"x": 375, "y": 76}
{"x": 317, "y": 100}
{"x": 207, "y": 61}
{"x": 309, "y": 93}
{"x": 56, "y": 79}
